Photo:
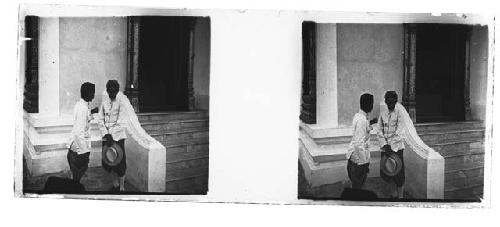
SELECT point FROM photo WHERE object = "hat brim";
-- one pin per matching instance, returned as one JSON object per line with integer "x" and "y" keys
{"x": 397, "y": 161}
{"x": 113, "y": 148}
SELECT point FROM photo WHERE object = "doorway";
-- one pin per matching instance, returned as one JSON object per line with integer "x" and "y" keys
{"x": 440, "y": 72}
{"x": 164, "y": 63}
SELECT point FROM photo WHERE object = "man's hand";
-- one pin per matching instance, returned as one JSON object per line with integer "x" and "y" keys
{"x": 95, "y": 110}
{"x": 373, "y": 121}
{"x": 109, "y": 139}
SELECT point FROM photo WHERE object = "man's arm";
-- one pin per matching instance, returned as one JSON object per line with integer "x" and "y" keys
{"x": 400, "y": 127}
{"x": 380, "y": 132}
{"x": 95, "y": 110}
{"x": 122, "y": 117}
{"x": 371, "y": 123}
{"x": 357, "y": 141}
{"x": 80, "y": 135}
{"x": 100, "y": 121}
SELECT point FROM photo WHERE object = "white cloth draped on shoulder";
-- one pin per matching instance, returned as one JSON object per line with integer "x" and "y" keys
{"x": 408, "y": 130}
{"x": 130, "y": 119}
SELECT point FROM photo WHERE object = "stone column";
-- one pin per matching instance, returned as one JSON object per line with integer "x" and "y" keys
{"x": 31, "y": 32}
{"x": 308, "y": 97}
{"x": 48, "y": 55}
{"x": 132, "y": 86}
{"x": 326, "y": 80}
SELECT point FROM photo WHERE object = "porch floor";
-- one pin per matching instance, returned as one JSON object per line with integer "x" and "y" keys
{"x": 95, "y": 180}
{"x": 377, "y": 185}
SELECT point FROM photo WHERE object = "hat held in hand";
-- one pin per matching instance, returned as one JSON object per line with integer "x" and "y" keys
{"x": 112, "y": 155}
{"x": 391, "y": 164}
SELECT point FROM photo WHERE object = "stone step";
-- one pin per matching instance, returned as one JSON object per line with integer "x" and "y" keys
{"x": 463, "y": 162}
{"x": 463, "y": 183}
{"x": 340, "y": 155}
{"x": 193, "y": 185}
{"x": 448, "y": 168}
{"x": 179, "y": 161}
{"x": 172, "y": 116}
{"x": 58, "y": 129}
{"x": 175, "y": 175}
{"x": 451, "y": 136}
{"x": 464, "y": 173}
{"x": 53, "y": 161}
{"x": 181, "y": 135}
{"x": 461, "y": 155}
{"x": 61, "y": 129}
{"x": 62, "y": 146}
{"x": 448, "y": 126}
{"x": 156, "y": 127}
{"x": 184, "y": 145}
{"x": 474, "y": 193}
{"x": 52, "y": 147}
{"x": 188, "y": 146}
{"x": 340, "y": 140}
{"x": 463, "y": 145}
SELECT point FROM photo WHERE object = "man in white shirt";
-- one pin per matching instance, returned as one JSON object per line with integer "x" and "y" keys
{"x": 358, "y": 154}
{"x": 112, "y": 127}
{"x": 79, "y": 141}
{"x": 390, "y": 137}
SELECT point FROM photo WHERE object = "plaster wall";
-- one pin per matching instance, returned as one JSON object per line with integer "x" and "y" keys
{"x": 370, "y": 59}
{"x": 93, "y": 50}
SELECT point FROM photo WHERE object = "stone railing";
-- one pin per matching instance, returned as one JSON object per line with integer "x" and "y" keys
{"x": 146, "y": 157}
{"x": 424, "y": 167}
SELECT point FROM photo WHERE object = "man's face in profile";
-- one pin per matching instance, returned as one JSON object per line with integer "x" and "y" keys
{"x": 391, "y": 103}
{"x": 112, "y": 91}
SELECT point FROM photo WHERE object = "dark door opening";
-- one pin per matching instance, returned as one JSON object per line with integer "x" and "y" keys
{"x": 440, "y": 72}
{"x": 163, "y": 63}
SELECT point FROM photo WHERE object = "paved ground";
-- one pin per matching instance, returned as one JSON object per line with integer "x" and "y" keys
{"x": 334, "y": 191}
{"x": 96, "y": 179}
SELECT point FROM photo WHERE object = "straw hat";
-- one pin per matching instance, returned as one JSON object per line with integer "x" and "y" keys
{"x": 391, "y": 164}
{"x": 112, "y": 155}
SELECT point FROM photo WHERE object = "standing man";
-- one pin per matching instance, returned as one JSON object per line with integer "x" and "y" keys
{"x": 358, "y": 154}
{"x": 112, "y": 125}
{"x": 390, "y": 135}
{"x": 79, "y": 141}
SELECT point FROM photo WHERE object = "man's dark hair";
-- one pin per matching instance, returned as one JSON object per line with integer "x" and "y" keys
{"x": 86, "y": 89}
{"x": 391, "y": 94}
{"x": 112, "y": 84}
{"x": 366, "y": 102}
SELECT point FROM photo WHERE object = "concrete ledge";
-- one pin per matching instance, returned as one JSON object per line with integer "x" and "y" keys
{"x": 146, "y": 157}
{"x": 145, "y": 165}
{"x": 317, "y": 131}
{"x": 424, "y": 175}
{"x": 334, "y": 170}
{"x": 39, "y": 163}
